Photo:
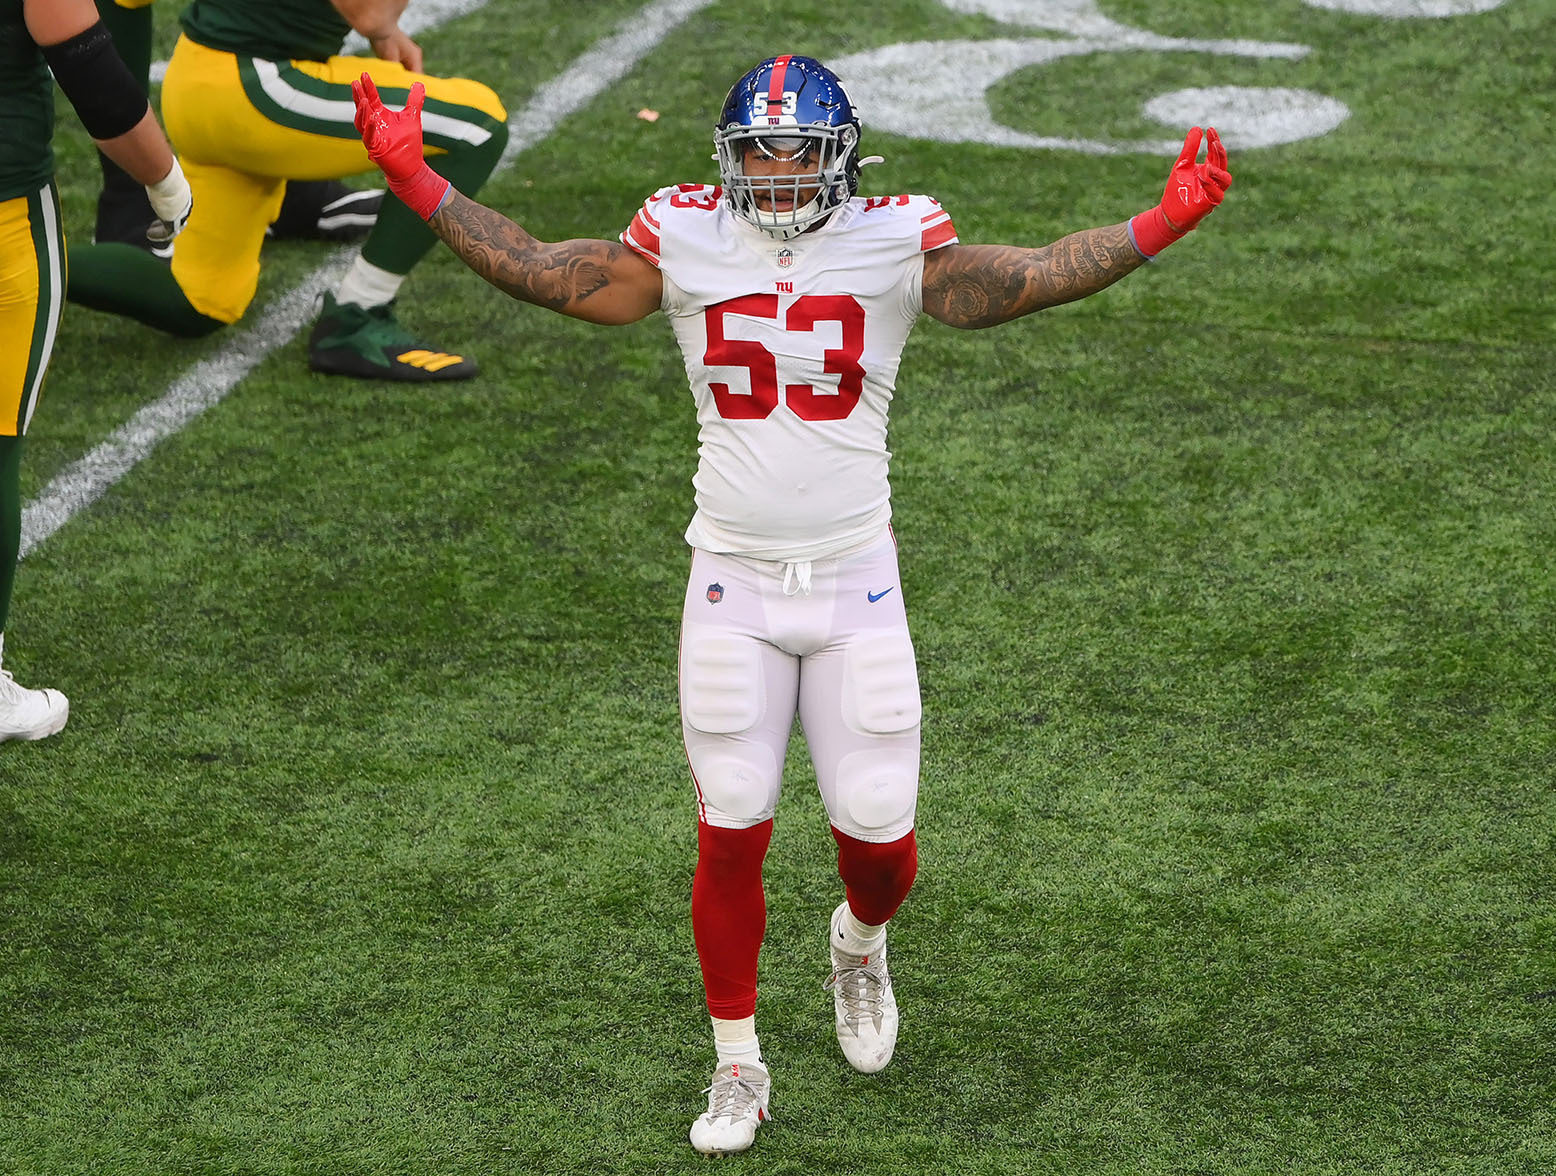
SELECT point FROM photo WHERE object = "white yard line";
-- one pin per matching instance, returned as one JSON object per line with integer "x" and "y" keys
{"x": 83, "y": 482}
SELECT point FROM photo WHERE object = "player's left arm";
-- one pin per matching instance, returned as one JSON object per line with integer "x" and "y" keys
{"x": 111, "y": 104}
{"x": 982, "y": 285}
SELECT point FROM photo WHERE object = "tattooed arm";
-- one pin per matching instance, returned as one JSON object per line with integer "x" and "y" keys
{"x": 598, "y": 281}
{"x": 981, "y": 285}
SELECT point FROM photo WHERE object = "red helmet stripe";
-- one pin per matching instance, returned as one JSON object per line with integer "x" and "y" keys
{"x": 775, "y": 84}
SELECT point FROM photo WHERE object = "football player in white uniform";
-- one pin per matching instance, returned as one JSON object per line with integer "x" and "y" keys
{"x": 791, "y": 297}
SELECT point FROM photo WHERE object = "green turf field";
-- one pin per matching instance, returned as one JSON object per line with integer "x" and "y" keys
{"x": 368, "y": 847}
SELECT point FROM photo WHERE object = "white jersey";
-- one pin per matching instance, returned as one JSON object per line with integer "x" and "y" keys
{"x": 791, "y": 349}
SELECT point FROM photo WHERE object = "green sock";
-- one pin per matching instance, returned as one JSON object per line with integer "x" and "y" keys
{"x": 10, "y": 519}
{"x": 122, "y": 279}
{"x": 400, "y": 238}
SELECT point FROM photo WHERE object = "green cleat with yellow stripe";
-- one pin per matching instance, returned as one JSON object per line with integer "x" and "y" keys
{"x": 369, "y": 342}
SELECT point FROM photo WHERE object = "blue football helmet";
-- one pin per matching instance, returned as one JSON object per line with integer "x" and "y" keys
{"x": 788, "y": 110}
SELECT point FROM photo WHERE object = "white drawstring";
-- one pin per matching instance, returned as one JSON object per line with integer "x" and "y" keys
{"x": 796, "y": 578}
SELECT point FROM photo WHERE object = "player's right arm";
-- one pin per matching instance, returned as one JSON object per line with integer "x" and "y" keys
{"x": 597, "y": 281}
{"x": 110, "y": 103}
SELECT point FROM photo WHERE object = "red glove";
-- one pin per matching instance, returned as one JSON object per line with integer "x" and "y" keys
{"x": 393, "y": 141}
{"x": 1193, "y": 189}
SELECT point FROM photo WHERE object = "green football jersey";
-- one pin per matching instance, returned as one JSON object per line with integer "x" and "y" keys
{"x": 26, "y": 108}
{"x": 277, "y": 30}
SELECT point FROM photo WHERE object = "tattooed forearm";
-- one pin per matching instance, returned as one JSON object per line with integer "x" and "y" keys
{"x": 981, "y": 285}
{"x": 555, "y": 276}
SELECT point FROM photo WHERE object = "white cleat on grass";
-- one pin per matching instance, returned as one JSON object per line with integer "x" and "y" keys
{"x": 737, "y": 1105}
{"x": 863, "y": 1002}
{"x": 29, "y": 714}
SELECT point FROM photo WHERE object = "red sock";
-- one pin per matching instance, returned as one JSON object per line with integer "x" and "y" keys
{"x": 876, "y": 877}
{"x": 729, "y": 914}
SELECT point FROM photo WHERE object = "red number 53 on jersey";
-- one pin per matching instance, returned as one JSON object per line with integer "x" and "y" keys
{"x": 804, "y": 400}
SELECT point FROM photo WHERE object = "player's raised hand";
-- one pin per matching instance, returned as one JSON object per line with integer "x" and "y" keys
{"x": 1193, "y": 190}
{"x": 393, "y": 141}
{"x": 392, "y": 137}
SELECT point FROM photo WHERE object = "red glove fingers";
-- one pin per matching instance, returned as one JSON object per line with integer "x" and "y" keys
{"x": 1193, "y": 190}
{"x": 1213, "y": 174}
{"x": 393, "y": 142}
{"x": 365, "y": 94}
{"x": 1215, "y": 151}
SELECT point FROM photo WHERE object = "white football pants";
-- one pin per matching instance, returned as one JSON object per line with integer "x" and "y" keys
{"x": 757, "y": 649}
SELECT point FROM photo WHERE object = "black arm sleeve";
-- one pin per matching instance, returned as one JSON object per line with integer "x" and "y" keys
{"x": 99, "y": 85}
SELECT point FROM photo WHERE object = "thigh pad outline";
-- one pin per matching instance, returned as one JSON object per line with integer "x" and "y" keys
{"x": 880, "y": 684}
{"x": 721, "y": 682}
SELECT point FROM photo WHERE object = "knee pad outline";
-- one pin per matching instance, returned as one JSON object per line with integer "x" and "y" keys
{"x": 877, "y": 791}
{"x": 741, "y": 787}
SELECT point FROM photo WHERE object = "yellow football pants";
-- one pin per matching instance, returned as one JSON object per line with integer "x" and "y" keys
{"x": 32, "y": 292}
{"x": 244, "y": 126}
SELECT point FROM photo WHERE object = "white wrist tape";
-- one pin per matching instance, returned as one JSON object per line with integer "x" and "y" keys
{"x": 170, "y": 195}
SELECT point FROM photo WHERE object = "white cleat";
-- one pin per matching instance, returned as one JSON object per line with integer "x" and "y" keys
{"x": 863, "y": 1002}
{"x": 737, "y": 1105}
{"x": 29, "y": 714}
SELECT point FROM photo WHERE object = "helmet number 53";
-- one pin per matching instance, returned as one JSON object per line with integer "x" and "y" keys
{"x": 761, "y": 104}
{"x": 806, "y": 401}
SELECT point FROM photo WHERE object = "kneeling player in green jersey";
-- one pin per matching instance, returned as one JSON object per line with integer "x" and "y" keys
{"x": 322, "y": 210}
{"x": 254, "y": 96}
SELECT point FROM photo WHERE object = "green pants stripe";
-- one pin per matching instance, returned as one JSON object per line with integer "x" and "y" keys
{"x": 291, "y": 98}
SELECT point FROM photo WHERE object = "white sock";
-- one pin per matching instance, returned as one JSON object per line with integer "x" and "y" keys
{"x": 367, "y": 285}
{"x": 736, "y": 1041}
{"x": 856, "y": 938}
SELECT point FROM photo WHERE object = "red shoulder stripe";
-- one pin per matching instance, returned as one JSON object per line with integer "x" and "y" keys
{"x": 641, "y": 238}
{"x": 941, "y": 233}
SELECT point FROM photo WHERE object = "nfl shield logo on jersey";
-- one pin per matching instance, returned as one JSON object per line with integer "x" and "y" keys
{"x": 715, "y": 593}
{"x": 785, "y": 258}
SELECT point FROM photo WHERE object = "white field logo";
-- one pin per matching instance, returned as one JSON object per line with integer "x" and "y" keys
{"x": 952, "y": 78}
